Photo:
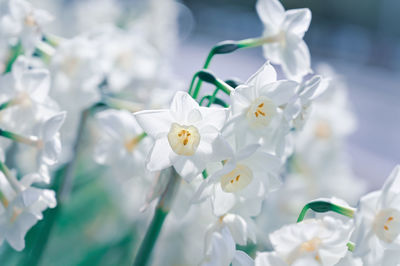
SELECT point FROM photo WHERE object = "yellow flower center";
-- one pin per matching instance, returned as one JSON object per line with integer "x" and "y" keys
{"x": 387, "y": 224}
{"x": 183, "y": 140}
{"x": 305, "y": 249}
{"x": 237, "y": 179}
{"x": 30, "y": 20}
{"x": 16, "y": 213}
{"x": 261, "y": 112}
{"x": 323, "y": 130}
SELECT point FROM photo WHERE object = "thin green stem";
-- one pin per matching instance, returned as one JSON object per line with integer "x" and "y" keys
{"x": 190, "y": 91}
{"x": 10, "y": 177}
{"x": 213, "y": 96}
{"x": 15, "y": 51}
{"x": 205, "y": 66}
{"x": 31, "y": 140}
{"x": 255, "y": 42}
{"x": 325, "y": 206}
{"x": 226, "y": 47}
{"x": 162, "y": 209}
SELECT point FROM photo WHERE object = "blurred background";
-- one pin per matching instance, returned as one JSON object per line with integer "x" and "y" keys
{"x": 360, "y": 39}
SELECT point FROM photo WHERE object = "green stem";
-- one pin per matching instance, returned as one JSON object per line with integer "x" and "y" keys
{"x": 63, "y": 184}
{"x": 226, "y": 47}
{"x": 31, "y": 140}
{"x": 325, "y": 206}
{"x": 162, "y": 209}
{"x": 10, "y": 177}
{"x": 14, "y": 53}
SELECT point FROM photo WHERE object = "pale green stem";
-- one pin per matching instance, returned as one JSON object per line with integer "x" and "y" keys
{"x": 162, "y": 209}
{"x": 231, "y": 46}
{"x": 10, "y": 177}
{"x": 31, "y": 140}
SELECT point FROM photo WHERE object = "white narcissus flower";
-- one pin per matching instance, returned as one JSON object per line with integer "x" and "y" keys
{"x": 259, "y": 109}
{"x": 25, "y": 22}
{"x": 321, "y": 241}
{"x": 243, "y": 182}
{"x": 121, "y": 144}
{"x": 220, "y": 250}
{"x": 21, "y": 209}
{"x": 286, "y": 30}
{"x": 186, "y": 136}
{"x": 377, "y": 224}
{"x": 242, "y": 228}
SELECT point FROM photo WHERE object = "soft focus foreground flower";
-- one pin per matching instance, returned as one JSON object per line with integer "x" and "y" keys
{"x": 121, "y": 144}
{"x": 25, "y": 22}
{"x": 186, "y": 136}
{"x": 286, "y": 30}
{"x": 378, "y": 224}
{"x": 21, "y": 207}
{"x": 220, "y": 250}
{"x": 311, "y": 242}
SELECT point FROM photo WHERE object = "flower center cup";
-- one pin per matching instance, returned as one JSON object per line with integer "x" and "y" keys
{"x": 387, "y": 225}
{"x": 183, "y": 140}
{"x": 261, "y": 112}
{"x": 30, "y": 20}
{"x": 323, "y": 130}
{"x": 305, "y": 249}
{"x": 237, "y": 179}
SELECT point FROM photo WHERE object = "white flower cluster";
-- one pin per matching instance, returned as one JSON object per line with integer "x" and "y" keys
{"x": 44, "y": 77}
{"x": 283, "y": 136}
{"x": 30, "y": 117}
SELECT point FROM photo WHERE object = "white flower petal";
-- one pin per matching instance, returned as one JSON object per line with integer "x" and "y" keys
{"x": 161, "y": 156}
{"x": 297, "y": 21}
{"x": 271, "y": 12}
{"x": 155, "y": 123}
{"x": 181, "y": 105}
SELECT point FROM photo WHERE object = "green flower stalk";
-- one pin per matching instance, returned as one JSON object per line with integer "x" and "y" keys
{"x": 162, "y": 209}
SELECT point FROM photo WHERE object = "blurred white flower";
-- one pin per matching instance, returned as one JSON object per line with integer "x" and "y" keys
{"x": 20, "y": 209}
{"x": 125, "y": 58}
{"x": 24, "y": 22}
{"x": 322, "y": 242}
{"x": 377, "y": 224}
{"x": 186, "y": 136}
{"x": 121, "y": 145}
{"x": 221, "y": 250}
{"x": 286, "y": 30}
